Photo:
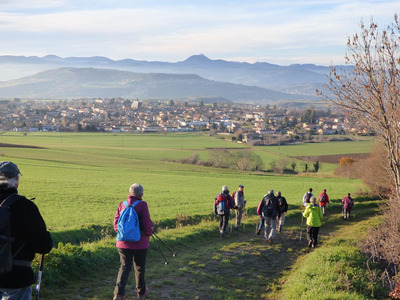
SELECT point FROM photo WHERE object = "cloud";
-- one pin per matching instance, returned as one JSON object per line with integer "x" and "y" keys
{"x": 166, "y": 30}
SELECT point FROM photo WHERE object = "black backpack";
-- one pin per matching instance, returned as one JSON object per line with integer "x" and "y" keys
{"x": 308, "y": 197}
{"x": 6, "y": 240}
{"x": 269, "y": 207}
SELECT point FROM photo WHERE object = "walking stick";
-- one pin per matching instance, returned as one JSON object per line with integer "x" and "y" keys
{"x": 39, "y": 277}
{"x": 173, "y": 253}
{"x": 301, "y": 227}
{"x": 158, "y": 246}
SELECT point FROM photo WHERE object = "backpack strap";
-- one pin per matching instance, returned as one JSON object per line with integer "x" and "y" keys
{"x": 10, "y": 200}
{"x": 136, "y": 202}
{"x": 133, "y": 204}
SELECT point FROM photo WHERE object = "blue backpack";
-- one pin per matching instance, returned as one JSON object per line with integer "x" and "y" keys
{"x": 128, "y": 224}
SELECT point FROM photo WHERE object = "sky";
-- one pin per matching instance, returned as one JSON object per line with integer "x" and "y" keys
{"x": 281, "y": 32}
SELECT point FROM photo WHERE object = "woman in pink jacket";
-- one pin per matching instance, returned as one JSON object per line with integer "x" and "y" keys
{"x": 134, "y": 253}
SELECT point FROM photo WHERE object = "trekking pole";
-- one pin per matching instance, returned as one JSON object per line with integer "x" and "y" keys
{"x": 39, "y": 276}
{"x": 244, "y": 219}
{"x": 301, "y": 227}
{"x": 173, "y": 253}
{"x": 158, "y": 246}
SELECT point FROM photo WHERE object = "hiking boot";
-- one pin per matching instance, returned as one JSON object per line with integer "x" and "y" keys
{"x": 258, "y": 231}
{"x": 310, "y": 244}
{"x": 270, "y": 241}
{"x": 119, "y": 297}
{"x": 147, "y": 291}
{"x": 221, "y": 234}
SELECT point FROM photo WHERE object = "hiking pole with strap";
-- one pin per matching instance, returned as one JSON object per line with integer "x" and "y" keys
{"x": 39, "y": 276}
{"x": 158, "y": 246}
{"x": 173, "y": 253}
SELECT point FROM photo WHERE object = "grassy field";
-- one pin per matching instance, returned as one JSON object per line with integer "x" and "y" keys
{"x": 72, "y": 173}
{"x": 79, "y": 179}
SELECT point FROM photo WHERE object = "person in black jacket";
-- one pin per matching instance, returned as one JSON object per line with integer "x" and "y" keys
{"x": 270, "y": 209}
{"x": 283, "y": 208}
{"x": 29, "y": 231}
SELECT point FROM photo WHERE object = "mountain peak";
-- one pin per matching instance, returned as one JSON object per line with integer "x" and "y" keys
{"x": 198, "y": 58}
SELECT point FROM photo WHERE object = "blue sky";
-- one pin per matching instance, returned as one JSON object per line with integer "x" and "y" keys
{"x": 280, "y": 32}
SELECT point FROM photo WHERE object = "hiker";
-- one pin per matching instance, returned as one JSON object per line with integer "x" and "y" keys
{"x": 270, "y": 209}
{"x": 240, "y": 204}
{"x": 283, "y": 208}
{"x": 134, "y": 252}
{"x": 323, "y": 200}
{"x": 307, "y": 196}
{"x": 313, "y": 213}
{"x": 259, "y": 212}
{"x": 222, "y": 205}
{"x": 348, "y": 204}
{"x": 30, "y": 234}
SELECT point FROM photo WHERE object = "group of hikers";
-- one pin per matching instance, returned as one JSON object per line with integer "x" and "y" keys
{"x": 272, "y": 210}
{"x": 23, "y": 231}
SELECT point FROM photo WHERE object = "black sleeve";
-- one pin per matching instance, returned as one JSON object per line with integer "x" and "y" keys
{"x": 39, "y": 239}
{"x": 286, "y": 205}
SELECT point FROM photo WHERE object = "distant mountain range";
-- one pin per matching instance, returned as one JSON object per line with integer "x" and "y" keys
{"x": 198, "y": 76}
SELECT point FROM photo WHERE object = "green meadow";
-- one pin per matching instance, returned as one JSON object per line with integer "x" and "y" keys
{"x": 78, "y": 180}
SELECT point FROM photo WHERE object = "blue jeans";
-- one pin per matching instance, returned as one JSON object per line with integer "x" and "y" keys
{"x": 16, "y": 294}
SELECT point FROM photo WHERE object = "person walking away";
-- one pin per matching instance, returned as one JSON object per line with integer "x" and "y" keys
{"x": 314, "y": 216}
{"x": 29, "y": 232}
{"x": 259, "y": 212}
{"x": 222, "y": 206}
{"x": 323, "y": 200}
{"x": 307, "y": 196}
{"x": 240, "y": 204}
{"x": 270, "y": 208}
{"x": 133, "y": 253}
{"x": 348, "y": 204}
{"x": 283, "y": 208}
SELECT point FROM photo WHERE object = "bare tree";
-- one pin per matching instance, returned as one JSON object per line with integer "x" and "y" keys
{"x": 370, "y": 91}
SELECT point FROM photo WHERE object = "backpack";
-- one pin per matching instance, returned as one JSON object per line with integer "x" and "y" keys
{"x": 308, "y": 197}
{"x": 269, "y": 209}
{"x": 233, "y": 195}
{"x": 6, "y": 240}
{"x": 220, "y": 205}
{"x": 349, "y": 204}
{"x": 323, "y": 199}
{"x": 128, "y": 224}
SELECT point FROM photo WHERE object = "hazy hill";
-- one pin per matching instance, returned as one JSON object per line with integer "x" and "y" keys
{"x": 294, "y": 79}
{"x": 90, "y": 82}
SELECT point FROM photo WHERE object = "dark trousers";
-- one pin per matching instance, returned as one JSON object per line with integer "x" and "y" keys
{"x": 346, "y": 213}
{"x": 312, "y": 235}
{"x": 223, "y": 222}
{"x": 129, "y": 257}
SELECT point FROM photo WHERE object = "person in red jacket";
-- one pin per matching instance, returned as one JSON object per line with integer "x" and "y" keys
{"x": 134, "y": 252}
{"x": 323, "y": 200}
{"x": 348, "y": 204}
